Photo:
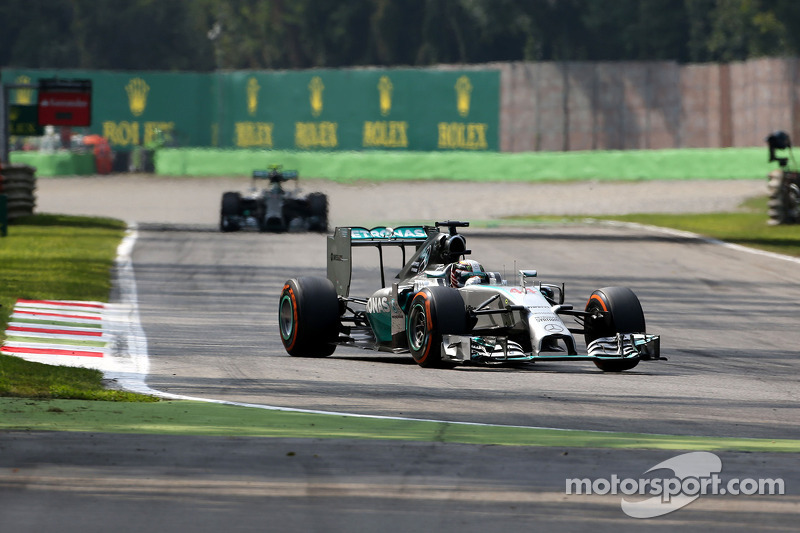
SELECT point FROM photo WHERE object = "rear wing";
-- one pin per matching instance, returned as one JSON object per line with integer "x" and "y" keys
{"x": 275, "y": 175}
{"x": 341, "y": 243}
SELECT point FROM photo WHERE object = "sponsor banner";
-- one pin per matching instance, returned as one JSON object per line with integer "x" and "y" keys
{"x": 320, "y": 109}
{"x": 136, "y": 108}
{"x": 404, "y": 232}
{"x": 23, "y": 120}
{"x": 65, "y": 109}
{"x": 384, "y": 109}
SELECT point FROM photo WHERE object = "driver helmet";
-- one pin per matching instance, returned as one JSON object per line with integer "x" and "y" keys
{"x": 463, "y": 273}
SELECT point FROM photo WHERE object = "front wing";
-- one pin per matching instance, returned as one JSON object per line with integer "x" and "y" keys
{"x": 488, "y": 350}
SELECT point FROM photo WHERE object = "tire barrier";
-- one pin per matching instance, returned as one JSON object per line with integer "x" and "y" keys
{"x": 783, "y": 204}
{"x": 18, "y": 184}
{"x": 783, "y": 184}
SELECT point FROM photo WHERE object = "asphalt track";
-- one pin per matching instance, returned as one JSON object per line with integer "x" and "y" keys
{"x": 208, "y": 303}
{"x": 208, "y": 306}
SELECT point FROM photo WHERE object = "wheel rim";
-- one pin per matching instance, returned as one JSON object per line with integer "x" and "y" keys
{"x": 418, "y": 327}
{"x": 286, "y": 317}
{"x": 594, "y": 329}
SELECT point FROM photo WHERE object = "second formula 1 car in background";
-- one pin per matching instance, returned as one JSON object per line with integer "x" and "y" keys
{"x": 274, "y": 209}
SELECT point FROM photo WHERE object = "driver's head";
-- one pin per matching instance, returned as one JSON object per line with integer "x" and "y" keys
{"x": 463, "y": 273}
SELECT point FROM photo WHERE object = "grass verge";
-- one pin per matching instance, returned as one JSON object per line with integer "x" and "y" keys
{"x": 747, "y": 227}
{"x": 55, "y": 257}
{"x": 382, "y": 165}
{"x": 207, "y": 419}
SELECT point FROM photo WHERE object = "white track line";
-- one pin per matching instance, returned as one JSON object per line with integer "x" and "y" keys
{"x": 690, "y": 235}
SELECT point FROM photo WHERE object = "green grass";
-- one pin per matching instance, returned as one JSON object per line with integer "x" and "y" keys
{"x": 54, "y": 257}
{"x": 199, "y": 418}
{"x": 23, "y": 379}
{"x": 382, "y": 165}
{"x": 747, "y": 227}
{"x": 58, "y": 257}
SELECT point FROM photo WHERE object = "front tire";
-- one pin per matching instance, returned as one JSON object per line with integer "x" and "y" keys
{"x": 622, "y": 313}
{"x": 434, "y": 311}
{"x": 308, "y": 317}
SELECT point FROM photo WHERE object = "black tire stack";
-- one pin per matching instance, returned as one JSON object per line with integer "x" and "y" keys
{"x": 783, "y": 205}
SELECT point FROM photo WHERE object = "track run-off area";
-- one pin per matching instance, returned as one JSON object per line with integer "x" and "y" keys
{"x": 205, "y": 320}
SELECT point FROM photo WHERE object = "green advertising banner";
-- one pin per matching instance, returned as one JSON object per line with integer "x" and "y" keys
{"x": 362, "y": 109}
{"x": 134, "y": 108}
{"x": 381, "y": 109}
{"x": 23, "y": 120}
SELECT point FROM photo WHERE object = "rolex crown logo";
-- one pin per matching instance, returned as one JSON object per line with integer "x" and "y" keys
{"x": 24, "y": 96}
{"x": 137, "y": 90}
{"x": 315, "y": 89}
{"x": 252, "y": 96}
{"x": 463, "y": 91}
{"x": 385, "y": 95}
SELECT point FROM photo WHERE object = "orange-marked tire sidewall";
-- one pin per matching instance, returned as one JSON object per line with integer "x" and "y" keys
{"x": 422, "y": 300}
{"x": 288, "y": 297}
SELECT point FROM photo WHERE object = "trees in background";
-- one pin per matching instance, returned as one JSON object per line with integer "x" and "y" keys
{"x": 284, "y": 34}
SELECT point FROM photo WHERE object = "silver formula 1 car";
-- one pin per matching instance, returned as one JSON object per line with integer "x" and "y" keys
{"x": 274, "y": 209}
{"x": 445, "y": 309}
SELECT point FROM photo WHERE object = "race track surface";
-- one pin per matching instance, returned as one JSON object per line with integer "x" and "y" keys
{"x": 208, "y": 304}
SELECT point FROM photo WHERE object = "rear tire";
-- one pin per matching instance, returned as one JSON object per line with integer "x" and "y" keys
{"x": 622, "y": 314}
{"x": 434, "y": 311}
{"x": 230, "y": 211}
{"x": 318, "y": 212}
{"x": 308, "y": 317}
